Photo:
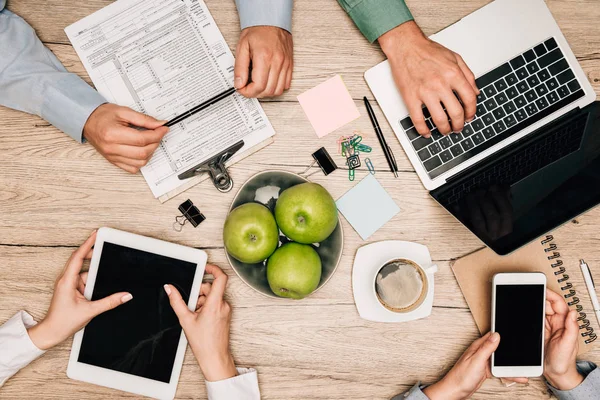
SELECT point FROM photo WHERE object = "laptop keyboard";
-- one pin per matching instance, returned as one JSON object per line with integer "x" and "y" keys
{"x": 513, "y": 96}
{"x": 562, "y": 142}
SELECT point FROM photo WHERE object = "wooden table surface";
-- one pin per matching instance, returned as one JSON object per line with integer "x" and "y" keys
{"x": 55, "y": 192}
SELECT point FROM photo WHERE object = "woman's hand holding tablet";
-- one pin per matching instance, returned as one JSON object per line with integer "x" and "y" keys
{"x": 207, "y": 328}
{"x": 69, "y": 310}
{"x": 138, "y": 347}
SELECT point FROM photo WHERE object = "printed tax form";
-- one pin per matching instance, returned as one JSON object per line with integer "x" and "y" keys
{"x": 162, "y": 58}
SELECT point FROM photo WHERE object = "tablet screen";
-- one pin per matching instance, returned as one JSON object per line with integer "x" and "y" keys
{"x": 141, "y": 336}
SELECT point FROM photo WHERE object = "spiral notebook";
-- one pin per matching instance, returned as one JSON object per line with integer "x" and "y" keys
{"x": 474, "y": 274}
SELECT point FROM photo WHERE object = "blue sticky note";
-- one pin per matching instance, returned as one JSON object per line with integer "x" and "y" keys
{"x": 367, "y": 206}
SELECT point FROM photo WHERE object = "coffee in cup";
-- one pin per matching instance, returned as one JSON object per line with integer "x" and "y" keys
{"x": 401, "y": 285}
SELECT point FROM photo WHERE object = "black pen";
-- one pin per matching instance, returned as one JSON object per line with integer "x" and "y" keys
{"x": 389, "y": 156}
{"x": 201, "y": 107}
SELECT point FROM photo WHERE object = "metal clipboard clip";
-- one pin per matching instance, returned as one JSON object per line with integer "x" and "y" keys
{"x": 216, "y": 168}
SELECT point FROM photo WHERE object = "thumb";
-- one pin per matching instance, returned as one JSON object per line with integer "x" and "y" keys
{"x": 571, "y": 330}
{"x": 177, "y": 304}
{"x": 242, "y": 65}
{"x": 484, "y": 353}
{"x": 138, "y": 119}
{"x": 110, "y": 302}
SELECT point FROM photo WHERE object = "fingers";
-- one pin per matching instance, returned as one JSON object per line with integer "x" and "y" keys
{"x": 89, "y": 254}
{"x": 127, "y": 168}
{"x": 143, "y": 153}
{"x": 558, "y": 303}
{"x": 205, "y": 289}
{"x": 76, "y": 261}
{"x": 490, "y": 345}
{"x": 438, "y": 115}
{"x": 468, "y": 98}
{"x": 288, "y": 80}
{"x": 138, "y": 119}
{"x": 571, "y": 329}
{"x": 177, "y": 304}
{"x": 281, "y": 83}
{"x": 137, "y": 138}
{"x": 132, "y": 162}
{"x": 468, "y": 74}
{"x": 549, "y": 309}
{"x": 217, "y": 289}
{"x": 201, "y": 302}
{"x": 418, "y": 118}
{"x": 242, "y": 65}
{"x": 260, "y": 78}
{"x": 81, "y": 282}
{"x": 472, "y": 349}
{"x": 467, "y": 90}
{"x": 110, "y": 302}
{"x": 454, "y": 110}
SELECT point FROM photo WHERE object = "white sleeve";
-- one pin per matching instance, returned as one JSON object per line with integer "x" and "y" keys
{"x": 16, "y": 348}
{"x": 241, "y": 387}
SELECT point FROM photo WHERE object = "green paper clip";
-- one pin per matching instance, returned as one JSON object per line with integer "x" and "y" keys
{"x": 370, "y": 166}
{"x": 364, "y": 148}
{"x": 351, "y": 175}
{"x": 356, "y": 140}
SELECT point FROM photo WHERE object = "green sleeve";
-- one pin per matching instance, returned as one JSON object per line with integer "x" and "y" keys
{"x": 376, "y": 17}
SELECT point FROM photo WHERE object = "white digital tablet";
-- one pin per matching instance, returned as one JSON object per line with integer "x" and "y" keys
{"x": 139, "y": 346}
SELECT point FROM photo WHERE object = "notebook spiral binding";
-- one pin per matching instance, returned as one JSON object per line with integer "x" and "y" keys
{"x": 568, "y": 291}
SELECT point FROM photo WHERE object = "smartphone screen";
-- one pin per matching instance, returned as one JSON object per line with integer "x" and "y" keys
{"x": 519, "y": 321}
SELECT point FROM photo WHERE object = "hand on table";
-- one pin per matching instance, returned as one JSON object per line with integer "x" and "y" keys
{"x": 207, "y": 328}
{"x": 269, "y": 51}
{"x": 111, "y": 130}
{"x": 430, "y": 74}
{"x": 469, "y": 372}
{"x": 561, "y": 344}
{"x": 69, "y": 310}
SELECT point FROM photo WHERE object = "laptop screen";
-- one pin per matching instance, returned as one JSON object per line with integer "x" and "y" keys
{"x": 532, "y": 186}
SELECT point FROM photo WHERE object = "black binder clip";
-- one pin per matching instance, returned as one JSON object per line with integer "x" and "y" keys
{"x": 216, "y": 168}
{"x": 190, "y": 213}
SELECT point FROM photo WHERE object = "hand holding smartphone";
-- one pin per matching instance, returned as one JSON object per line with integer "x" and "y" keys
{"x": 518, "y": 315}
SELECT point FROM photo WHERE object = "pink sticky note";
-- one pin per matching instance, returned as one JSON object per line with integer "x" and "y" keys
{"x": 328, "y": 106}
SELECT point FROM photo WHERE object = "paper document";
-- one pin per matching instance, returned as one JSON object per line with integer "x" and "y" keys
{"x": 162, "y": 58}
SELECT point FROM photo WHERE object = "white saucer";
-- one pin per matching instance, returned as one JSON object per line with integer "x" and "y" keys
{"x": 369, "y": 259}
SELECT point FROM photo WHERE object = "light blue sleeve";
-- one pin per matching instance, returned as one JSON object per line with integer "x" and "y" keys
{"x": 589, "y": 389}
{"x": 415, "y": 393}
{"x": 265, "y": 12}
{"x": 33, "y": 80}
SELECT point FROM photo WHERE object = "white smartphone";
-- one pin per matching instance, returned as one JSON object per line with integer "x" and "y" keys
{"x": 518, "y": 312}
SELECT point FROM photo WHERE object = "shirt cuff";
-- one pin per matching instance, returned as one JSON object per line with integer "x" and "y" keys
{"x": 241, "y": 387}
{"x": 588, "y": 389}
{"x": 17, "y": 348}
{"x": 68, "y": 105}
{"x": 415, "y": 393}
{"x": 265, "y": 12}
{"x": 376, "y": 17}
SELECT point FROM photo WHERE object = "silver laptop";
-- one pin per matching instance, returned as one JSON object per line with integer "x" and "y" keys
{"x": 528, "y": 77}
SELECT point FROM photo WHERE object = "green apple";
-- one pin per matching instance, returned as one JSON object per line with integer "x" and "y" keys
{"x": 250, "y": 233}
{"x": 294, "y": 270}
{"x": 306, "y": 213}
